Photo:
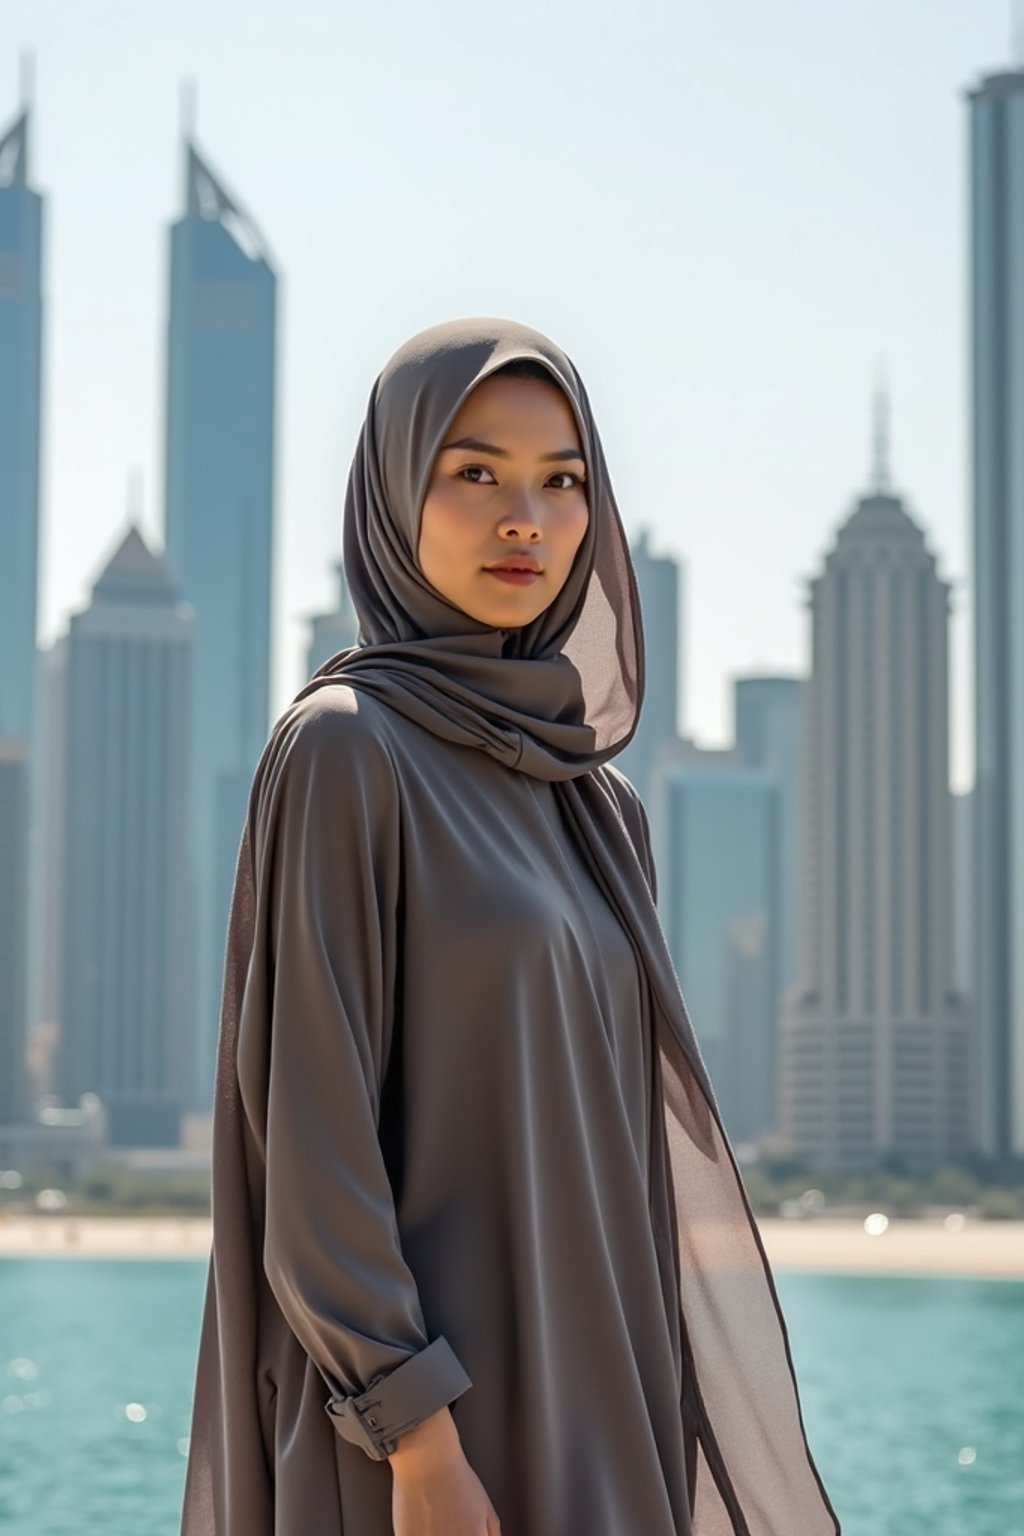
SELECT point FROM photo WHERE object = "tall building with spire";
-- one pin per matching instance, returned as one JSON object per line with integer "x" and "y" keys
{"x": 124, "y": 997}
{"x": 875, "y": 1042}
{"x": 996, "y": 141}
{"x": 21, "y": 322}
{"x": 219, "y": 529}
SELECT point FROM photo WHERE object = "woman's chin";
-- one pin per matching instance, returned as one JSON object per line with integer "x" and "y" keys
{"x": 509, "y": 614}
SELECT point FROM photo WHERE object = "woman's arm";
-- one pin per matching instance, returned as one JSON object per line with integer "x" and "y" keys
{"x": 311, "y": 1068}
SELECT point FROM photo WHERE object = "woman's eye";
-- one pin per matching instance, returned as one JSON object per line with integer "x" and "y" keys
{"x": 566, "y": 474}
{"x": 475, "y": 469}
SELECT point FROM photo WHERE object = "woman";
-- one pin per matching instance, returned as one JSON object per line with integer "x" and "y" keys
{"x": 482, "y": 1255}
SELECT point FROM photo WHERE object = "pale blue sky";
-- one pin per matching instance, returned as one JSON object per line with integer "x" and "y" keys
{"x": 726, "y": 213}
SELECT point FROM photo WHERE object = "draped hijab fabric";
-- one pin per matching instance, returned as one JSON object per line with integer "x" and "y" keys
{"x": 555, "y": 699}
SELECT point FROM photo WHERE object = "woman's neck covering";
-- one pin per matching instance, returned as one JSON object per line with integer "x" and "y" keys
{"x": 557, "y": 698}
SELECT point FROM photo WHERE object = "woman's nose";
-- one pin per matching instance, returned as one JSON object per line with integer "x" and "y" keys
{"x": 520, "y": 512}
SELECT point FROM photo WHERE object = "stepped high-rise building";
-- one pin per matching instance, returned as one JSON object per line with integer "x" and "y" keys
{"x": 219, "y": 529}
{"x": 997, "y": 356}
{"x": 125, "y": 992}
{"x": 21, "y": 310}
{"x": 875, "y": 1043}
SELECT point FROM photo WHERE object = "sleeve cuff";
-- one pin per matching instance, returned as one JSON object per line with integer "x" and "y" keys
{"x": 400, "y": 1399}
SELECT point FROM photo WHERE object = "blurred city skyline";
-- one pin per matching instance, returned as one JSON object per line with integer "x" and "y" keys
{"x": 716, "y": 220}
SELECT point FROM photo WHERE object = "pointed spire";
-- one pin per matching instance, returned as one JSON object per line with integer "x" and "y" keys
{"x": 14, "y": 153}
{"x": 134, "y": 497}
{"x": 135, "y": 571}
{"x": 26, "y": 78}
{"x": 881, "y": 482}
{"x": 187, "y": 98}
{"x": 206, "y": 197}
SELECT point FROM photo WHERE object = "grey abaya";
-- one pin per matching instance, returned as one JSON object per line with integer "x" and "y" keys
{"x": 465, "y": 1148}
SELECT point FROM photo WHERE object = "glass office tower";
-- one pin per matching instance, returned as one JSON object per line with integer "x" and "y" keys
{"x": 996, "y": 135}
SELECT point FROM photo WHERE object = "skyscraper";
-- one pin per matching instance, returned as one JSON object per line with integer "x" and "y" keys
{"x": 334, "y": 630}
{"x": 875, "y": 1043}
{"x": 996, "y": 128}
{"x": 219, "y": 525}
{"x": 718, "y": 888}
{"x": 21, "y": 311}
{"x": 125, "y": 993}
{"x": 51, "y": 797}
{"x": 13, "y": 947}
{"x": 658, "y": 582}
{"x": 769, "y": 717}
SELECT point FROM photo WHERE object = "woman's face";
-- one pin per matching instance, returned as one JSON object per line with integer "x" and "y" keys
{"x": 507, "y": 481}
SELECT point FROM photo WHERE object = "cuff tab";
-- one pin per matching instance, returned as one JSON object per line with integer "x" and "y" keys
{"x": 398, "y": 1400}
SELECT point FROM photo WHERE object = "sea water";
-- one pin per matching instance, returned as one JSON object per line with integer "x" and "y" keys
{"x": 912, "y": 1390}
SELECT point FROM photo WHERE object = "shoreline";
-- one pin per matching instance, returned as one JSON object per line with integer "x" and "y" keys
{"x": 829, "y": 1245}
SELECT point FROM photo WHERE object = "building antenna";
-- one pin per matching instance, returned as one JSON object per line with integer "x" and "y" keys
{"x": 135, "y": 495}
{"x": 187, "y": 108}
{"x": 187, "y": 123}
{"x": 881, "y": 433}
{"x": 26, "y": 78}
{"x": 1017, "y": 28}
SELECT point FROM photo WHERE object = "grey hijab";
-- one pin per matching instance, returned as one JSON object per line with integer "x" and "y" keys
{"x": 558, "y": 698}
{"x": 554, "y": 697}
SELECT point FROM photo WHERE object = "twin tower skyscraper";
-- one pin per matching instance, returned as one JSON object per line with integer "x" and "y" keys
{"x": 219, "y": 526}
{"x": 220, "y": 416}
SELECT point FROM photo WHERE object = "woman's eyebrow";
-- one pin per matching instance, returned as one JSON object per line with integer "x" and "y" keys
{"x": 502, "y": 453}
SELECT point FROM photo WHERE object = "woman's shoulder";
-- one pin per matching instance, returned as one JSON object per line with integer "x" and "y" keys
{"x": 336, "y": 712}
{"x": 334, "y": 734}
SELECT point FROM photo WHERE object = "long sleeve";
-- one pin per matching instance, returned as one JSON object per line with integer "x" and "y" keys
{"x": 327, "y": 873}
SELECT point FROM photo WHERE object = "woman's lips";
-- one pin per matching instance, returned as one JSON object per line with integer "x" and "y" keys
{"x": 517, "y": 578}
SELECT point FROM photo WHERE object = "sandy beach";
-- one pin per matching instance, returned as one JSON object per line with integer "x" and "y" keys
{"x": 928, "y": 1247}
{"x": 993, "y": 1249}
